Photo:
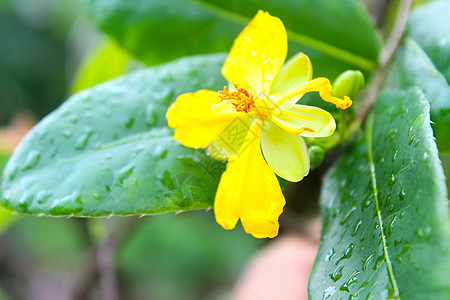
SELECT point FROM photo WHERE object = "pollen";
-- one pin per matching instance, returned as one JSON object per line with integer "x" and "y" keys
{"x": 241, "y": 99}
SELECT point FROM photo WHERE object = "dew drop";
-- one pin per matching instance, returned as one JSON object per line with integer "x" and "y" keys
{"x": 32, "y": 160}
{"x": 67, "y": 133}
{"x": 357, "y": 227}
{"x": 351, "y": 280}
{"x": 83, "y": 139}
{"x": 73, "y": 118}
{"x": 337, "y": 274}
{"x": 367, "y": 261}
{"x": 392, "y": 180}
{"x": 426, "y": 156}
{"x": 402, "y": 194}
{"x": 348, "y": 252}
{"x": 151, "y": 116}
{"x": 43, "y": 196}
{"x": 348, "y": 215}
{"x": 123, "y": 173}
{"x": 378, "y": 262}
{"x": 128, "y": 121}
{"x": 329, "y": 291}
{"x": 159, "y": 152}
{"x": 392, "y": 224}
{"x": 330, "y": 254}
{"x": 395, "y": 155}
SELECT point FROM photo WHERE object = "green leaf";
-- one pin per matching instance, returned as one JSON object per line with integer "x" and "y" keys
{"x": 107, "y": 150}
{"x": 429, "y": 26}
{"x": 412, "y": 68}
{"x": 385, "y": 218}
{"x": 424, "y": 61}
{"x": 159, "y": 30}
{"x": 6, "y": 216}
{"x": 106, "y": 61}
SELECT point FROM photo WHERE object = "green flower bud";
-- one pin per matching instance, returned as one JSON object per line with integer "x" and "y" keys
{"x": 316, "y": 155}
{"x": 348, "y": 84}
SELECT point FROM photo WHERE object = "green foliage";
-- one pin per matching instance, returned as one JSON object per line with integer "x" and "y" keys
{"x": 191, "y": 253}
{"x": 108, "y": 150}
{"x": 424, "y": 61}
{"x": 6, "y": 216}
{"x": 105, "y": 62}
{"x": 430, "y": 28}
{"x": 335, "y": 34}
{"x": 385, "y": 219}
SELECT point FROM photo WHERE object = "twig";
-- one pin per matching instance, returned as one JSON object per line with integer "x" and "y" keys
{"x": 385, "y": 57}
{"x": 106, "y": 258}
{"x": 89, "y": 271}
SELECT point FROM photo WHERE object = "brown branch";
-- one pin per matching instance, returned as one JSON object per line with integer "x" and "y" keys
{"x": 106, "y": 262}
{"x": 385, "y": 57}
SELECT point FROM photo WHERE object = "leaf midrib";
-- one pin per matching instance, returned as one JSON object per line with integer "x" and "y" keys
{"x": 321, "y": 46}
{"x": 369, "y": 137}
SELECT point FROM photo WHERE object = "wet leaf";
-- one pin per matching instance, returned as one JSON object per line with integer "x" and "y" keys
{"x": 429, "y": 26}
{"x": 385, "y": 217}
{"x": 424, "y": 61}
{"x": 107, "y": 150}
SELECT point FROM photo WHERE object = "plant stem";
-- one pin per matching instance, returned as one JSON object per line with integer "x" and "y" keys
{"x": 106, "y": 262}
{"x": 385, "y": 57}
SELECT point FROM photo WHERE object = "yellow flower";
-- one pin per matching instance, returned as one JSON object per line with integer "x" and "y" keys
{"x": 256, "y": 125}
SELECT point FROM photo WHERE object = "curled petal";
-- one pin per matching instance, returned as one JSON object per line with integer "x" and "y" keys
{"x": 199, "y": 118}
{"x": 308, "y": 121}
{"x": 257, "y": 54}
{"x": 250, "y": 190}
{"x": 321, "y": 85}
{"x": 285, "y": 153}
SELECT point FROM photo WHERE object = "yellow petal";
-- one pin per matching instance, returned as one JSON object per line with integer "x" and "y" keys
{"x": 308, "y": 121}
{"x": 231, "y": 140}
{"x": 297, "y": 71}
{"x": 250, "y": 190}
{"x": 285, "y": 153}
{"x": 198, "y": 119}
{"x": 257, "y": 54}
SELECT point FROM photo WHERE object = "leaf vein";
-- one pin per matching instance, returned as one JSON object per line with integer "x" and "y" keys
{"x": 369, "y": 137}
{"x": 296, "y": 37}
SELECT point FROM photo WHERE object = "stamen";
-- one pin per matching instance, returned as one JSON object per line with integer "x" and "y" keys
{"x": 242, "y": 100}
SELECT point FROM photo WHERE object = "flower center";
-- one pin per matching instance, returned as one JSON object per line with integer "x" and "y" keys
{"x": 241, "y": 99}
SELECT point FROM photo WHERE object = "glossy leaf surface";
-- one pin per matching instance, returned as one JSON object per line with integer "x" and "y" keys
{"x": 424, "y": 61}
{"x": 413, "y": 68}
{"x": 385, "y": 218}
{"x": 429, "y": 26}
{"x": 107, "y": 150}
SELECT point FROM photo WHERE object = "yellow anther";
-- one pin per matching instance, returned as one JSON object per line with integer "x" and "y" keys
{"x": 242, "y": 100}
